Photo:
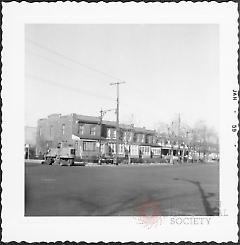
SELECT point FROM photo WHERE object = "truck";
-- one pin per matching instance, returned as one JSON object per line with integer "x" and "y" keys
{"x": 60, "y": 155}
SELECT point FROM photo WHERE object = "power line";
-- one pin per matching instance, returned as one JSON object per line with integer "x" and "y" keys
{"x": 63, "y": 65}
{"x": 136, "y": 89}
{"x": 51, "y": 61}
{"x": 67, "y": 87}
{"x": 71, "y": 60}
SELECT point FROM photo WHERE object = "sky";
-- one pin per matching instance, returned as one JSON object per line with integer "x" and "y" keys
{"x": 168, "y": 69}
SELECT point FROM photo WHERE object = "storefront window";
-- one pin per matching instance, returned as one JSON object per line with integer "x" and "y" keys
{"x": 89, "y": 146}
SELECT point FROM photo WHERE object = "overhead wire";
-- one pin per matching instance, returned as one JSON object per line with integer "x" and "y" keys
{"x": 51, "y": 61}
{"x": 71, "y": 60}
{"x": 74, "y": 61}
{"x": 67, "y": 67}
{"x": 77, "y": 90}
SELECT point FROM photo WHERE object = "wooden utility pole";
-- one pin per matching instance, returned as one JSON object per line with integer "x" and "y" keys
{"x": 179, "y": 122}
{"x": 117, "y": 120}
{"x": 102, "y": 113}
{"x": 188, "y": 145}
{"x": 100, "y": 138}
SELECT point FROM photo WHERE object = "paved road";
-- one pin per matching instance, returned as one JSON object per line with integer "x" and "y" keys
{"x": 121, "y": 190}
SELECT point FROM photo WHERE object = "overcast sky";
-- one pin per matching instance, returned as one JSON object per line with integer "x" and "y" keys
{"x": 168, "y": 69}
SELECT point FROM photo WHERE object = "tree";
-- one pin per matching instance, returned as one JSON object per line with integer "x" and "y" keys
{"x": 206, "y": 139}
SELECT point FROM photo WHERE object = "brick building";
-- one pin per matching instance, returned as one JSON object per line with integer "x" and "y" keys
{"x": 85, "y": 132}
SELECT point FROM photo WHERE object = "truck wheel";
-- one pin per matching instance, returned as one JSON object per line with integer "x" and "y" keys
{"x": 51, "y": 161}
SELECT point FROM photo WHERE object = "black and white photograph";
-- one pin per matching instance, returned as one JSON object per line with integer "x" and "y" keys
{"x": 126, "y": 123}
{"x": 142, "y": 140}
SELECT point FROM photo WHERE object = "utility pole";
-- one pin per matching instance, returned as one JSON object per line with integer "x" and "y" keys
{"x": 188, "y": 145}
{"x": 102, "y": 113}
{"x": 100, "y": 138}
{"x": 179, "y": 122}
{"x": 117, "y": 119}
{"x": 27, "y": 146}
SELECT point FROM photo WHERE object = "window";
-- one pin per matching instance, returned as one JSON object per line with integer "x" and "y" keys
{"x": 154, "y": 140}
{"x": 92, "y": 130}
{"x": 40, "y": 131}
{"x": 145, "y": 150}
{"x": 112, "y": 148}
{"x": 89, "y": 146}
{"x": 156, "y": 151}
{"x": 149, "y": 139}
{"x": 80, "y": 128}
{"x": 114, "y": 133}
{"x": 63, "y": 129}
{"x": 72, "y": 151}
{"x": 134, "y": 149}
{"x": 139, "y": 138}
{"x": 102, "y": 148}
{"x": 121, "y": 149}
{"x": 108, "y": 133}
{"x": 124, "y": 136}
{"x": 143, "y": 138}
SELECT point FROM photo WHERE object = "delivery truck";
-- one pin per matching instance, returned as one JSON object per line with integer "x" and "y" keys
{"x": 60, "y": 155}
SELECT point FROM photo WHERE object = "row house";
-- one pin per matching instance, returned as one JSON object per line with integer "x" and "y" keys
{"x": 90, "y": 138}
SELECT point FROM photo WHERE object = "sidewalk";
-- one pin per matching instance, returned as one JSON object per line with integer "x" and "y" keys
{"x": 128, "y": 165}
{"x": 89, "y": 164}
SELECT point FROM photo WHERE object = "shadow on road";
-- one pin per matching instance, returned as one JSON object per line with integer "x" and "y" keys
{"x": 128, "y": 204}
{"x": 209, "y": 210}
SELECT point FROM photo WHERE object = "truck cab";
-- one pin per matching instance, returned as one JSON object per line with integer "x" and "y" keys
{"x": 60, "y": 155}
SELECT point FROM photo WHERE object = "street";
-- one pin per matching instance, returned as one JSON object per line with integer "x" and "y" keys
{"x": 127, "y": 190}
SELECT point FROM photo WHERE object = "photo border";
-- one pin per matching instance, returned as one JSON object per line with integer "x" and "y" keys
{"x": 17, "y": 227}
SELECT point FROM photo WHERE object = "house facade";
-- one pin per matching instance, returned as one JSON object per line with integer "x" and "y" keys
{"x": 92, "y": 139}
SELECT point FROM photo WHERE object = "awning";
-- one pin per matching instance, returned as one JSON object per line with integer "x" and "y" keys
{"x": 74, "y": 137}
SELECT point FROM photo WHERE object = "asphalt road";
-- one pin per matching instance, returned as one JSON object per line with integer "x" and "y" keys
{"x": 121, "y": 190}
